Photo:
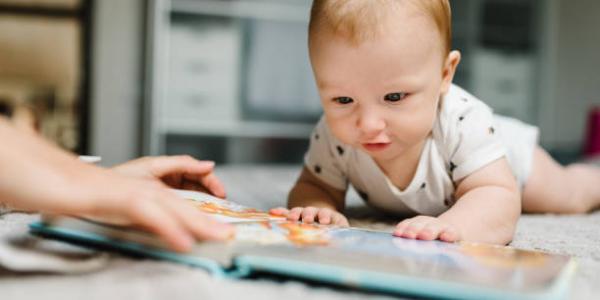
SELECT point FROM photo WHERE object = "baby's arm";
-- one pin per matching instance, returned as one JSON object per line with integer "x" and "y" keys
{"x": 312, "y": 200}
{"x": 487, "y": 210}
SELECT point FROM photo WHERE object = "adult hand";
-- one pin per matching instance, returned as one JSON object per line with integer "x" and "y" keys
{"x": 38, "y": 176}
{"x": 149, "y": 204}
{"x": 180, "y": 172}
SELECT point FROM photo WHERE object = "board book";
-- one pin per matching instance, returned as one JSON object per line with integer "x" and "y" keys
{"x": 358, "y": 258}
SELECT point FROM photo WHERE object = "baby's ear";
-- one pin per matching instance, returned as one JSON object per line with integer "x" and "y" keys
{"x": 449, "y": 70}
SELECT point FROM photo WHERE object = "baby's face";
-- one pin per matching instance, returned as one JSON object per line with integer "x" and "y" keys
{"x": 382, "y": 95}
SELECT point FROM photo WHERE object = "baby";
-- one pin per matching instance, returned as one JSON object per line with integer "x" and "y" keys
{"x": 409, "y": 141}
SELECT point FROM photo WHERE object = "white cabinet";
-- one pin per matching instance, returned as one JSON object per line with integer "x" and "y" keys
{"x": 230, "y": 76}
{"x": 203, "y": 75}
{"x": 506, "y": 82}
{"x": 279, "y": 76}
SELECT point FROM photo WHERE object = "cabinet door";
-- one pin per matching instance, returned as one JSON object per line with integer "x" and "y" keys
{"x": 506, "y": 82}
{"x": 204, "y": 67}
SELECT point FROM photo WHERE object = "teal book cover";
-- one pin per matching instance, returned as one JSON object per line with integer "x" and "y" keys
{"x": 353, "y": 257}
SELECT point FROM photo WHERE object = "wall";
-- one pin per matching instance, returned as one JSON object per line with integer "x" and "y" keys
{"x": 575, "y": 84}
{"x": 40, "y": 71}
{"x": 41, "y": 50}
{"x": 116, "y": 79}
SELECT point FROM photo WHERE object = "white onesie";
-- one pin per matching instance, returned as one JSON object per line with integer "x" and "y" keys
{"x": 466, "y": 137}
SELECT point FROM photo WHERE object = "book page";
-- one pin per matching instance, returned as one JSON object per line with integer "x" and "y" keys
{"x": 225, "y": 210}
{"x": 483, "y": 265}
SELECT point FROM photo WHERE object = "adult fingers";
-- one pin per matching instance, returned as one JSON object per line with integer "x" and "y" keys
{"x": 199, "y": 224}
{"x": 153, "y": 217}
{"x": 174, "y": 180}
{"x": 207, "y": 182}
{"x": 214, "y": 185}
{"x": 193, "y": 186}
{"x": 166, "y": 165}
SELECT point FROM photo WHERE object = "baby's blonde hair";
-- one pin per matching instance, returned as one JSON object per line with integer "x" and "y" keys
{"x": 359, "y": 20}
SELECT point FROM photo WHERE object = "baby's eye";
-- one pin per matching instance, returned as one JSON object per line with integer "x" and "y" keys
{"x": 343, "y": 100}
{"x": 394, "y": 97}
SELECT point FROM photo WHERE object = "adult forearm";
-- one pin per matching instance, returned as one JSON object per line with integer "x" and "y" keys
{"x": 32, "y": 170}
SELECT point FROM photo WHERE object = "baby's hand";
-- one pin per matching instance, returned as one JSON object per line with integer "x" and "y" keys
{"x": 427, "y": 228}
{"x": 311, "y": 214}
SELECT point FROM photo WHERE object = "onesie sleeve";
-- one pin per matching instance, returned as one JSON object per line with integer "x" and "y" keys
{"x": 323, "y": 158}
{"x": 470, "y": 139}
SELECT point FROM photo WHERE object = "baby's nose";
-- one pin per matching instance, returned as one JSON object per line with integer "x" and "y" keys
{"x": 370, "y": 122}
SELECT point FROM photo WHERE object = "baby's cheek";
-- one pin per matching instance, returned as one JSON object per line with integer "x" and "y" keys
{"x": 413, "y": 128}
{"x": 344, "y": 132}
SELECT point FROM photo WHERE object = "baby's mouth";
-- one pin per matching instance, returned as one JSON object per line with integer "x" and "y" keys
{"x": 374, "y": 147}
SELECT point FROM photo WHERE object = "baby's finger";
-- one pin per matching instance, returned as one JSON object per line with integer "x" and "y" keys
{"x": 450, "y": 235}
{"x": 279, "y": 211}
{"x": 413, "y": 229}
{"x": 431, "y": 231}
{"x": 308, "y": 214}
{"x": 401, "y": 227}
{"x": 324, "y": 216}
{"x": 340, "y": 220}
{"x": 294, "y": 214}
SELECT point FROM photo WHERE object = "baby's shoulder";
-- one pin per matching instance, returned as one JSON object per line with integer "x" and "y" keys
{"x": 322, "y": 133}
{"x": 323, "y": 140}
{"x": 459, "y": 114}
{"x": 457, "y": 108}
{"x": 458, "y": 102}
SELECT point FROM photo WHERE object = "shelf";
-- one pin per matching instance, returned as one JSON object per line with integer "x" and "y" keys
{"x": 288, "y": 11}
{"x": 248, "y": 129}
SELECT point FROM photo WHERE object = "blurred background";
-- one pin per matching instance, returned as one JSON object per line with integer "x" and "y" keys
{"x": 229, "y": 80}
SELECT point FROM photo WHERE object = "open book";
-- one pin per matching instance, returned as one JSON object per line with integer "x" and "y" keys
{"x": 363, "y": 259}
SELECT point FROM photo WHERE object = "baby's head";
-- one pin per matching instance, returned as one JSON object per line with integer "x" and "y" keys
{"x": 359, "y": 20}
{"x": 381, "y": 67}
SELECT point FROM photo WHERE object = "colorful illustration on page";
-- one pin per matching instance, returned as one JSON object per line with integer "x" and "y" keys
{"x": 225, "y": 210}
{"x": 286, "y": 232}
